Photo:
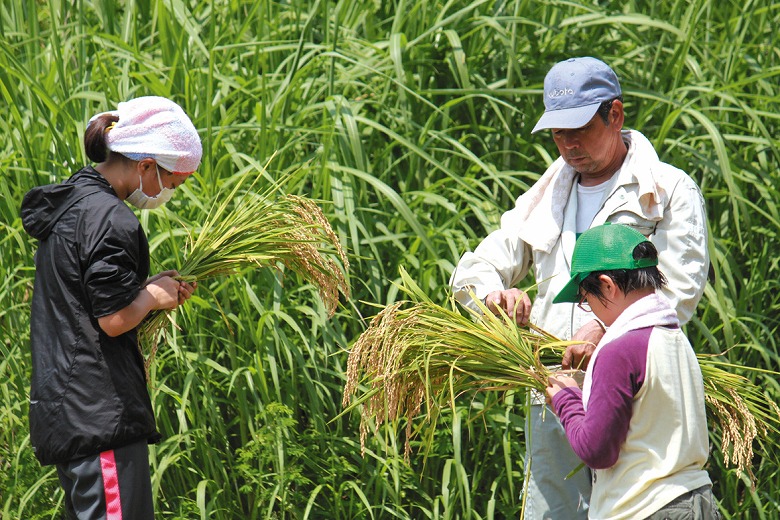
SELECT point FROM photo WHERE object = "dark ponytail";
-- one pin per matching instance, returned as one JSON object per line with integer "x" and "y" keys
{"x": 95, "y": 137}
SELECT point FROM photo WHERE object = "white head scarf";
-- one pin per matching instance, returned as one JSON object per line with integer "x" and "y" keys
{"x": 155, "y": 127}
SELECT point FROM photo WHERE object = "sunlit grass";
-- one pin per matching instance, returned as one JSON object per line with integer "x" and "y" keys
{"x": 271, "y": 230}
{"x": 409, "y": 122}
{"x": 417, "y": 357}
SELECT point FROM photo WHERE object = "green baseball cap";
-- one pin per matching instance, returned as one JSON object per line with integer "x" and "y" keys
{"x": 603, "y": 248}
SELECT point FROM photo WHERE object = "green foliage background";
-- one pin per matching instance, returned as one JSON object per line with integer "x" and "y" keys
{"x": 410, "y": 121}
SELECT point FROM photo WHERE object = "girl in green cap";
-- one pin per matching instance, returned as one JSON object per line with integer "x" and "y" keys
{"x": 639, "y": 420}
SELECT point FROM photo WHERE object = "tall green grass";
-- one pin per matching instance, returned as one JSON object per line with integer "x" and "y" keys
{"x": 410, "y": 120}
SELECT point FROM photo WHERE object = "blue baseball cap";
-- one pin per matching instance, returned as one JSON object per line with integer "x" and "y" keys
{"x": 573, "y": 91}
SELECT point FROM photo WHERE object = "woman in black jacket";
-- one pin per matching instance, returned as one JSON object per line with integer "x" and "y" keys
{"x": 90, "y": 411}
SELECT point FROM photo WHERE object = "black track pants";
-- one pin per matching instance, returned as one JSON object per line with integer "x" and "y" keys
{"x": 113, "y": 485}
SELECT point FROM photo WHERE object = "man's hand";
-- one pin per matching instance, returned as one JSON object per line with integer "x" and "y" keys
{"x": 578, "y": 355}
{"x": 514, "y": 302}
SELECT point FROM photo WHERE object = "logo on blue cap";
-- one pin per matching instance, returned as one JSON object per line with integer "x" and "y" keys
{"x": 573, "y": 91}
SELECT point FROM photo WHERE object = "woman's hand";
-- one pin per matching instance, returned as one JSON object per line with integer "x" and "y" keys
{"x": 185, "y": 290}
{"x": 167, "y": 291}
{"x": 170, "y": 273}
{"x": 162, "y": 291}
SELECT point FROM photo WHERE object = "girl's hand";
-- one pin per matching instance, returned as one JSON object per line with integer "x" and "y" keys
{"x": 556, "y": 383}
{"x": 578, "y": 356}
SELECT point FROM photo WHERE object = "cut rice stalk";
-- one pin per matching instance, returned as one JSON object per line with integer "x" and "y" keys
{"x": 248, "y": 230}
{"x": 416, "y": 353}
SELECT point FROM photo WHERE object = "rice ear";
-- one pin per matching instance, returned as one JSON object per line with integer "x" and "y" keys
{"x": 250, "y": 230}
{"x": 417, "y": 354}
{"x": 744, "y": 414}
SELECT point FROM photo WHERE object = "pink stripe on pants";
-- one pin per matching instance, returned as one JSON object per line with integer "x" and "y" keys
{"x": 111, "y": 486}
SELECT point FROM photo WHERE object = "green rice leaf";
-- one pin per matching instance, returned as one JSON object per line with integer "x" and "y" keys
{"x": 250, "y": 230}
{"x": 418, "y": 355}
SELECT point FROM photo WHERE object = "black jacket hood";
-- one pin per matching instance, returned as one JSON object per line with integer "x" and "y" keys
{"x": 43, "y": 206}
{"x": 88, "y": 390}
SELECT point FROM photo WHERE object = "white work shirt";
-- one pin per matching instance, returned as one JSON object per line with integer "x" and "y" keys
{"x": 655, "y": 198}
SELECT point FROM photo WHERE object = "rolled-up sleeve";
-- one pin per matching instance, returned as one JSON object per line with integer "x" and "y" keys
{"x": 500, "y": 261}
{"x": 112, "y": 277}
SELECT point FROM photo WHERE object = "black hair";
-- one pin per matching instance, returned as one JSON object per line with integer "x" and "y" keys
{"x": 605, "y": 107}
{"x": 628, "y": 280}
{"x": 95, "y": 138}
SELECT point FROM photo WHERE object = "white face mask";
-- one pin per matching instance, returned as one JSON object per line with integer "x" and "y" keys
{"x": 141, "y": 200}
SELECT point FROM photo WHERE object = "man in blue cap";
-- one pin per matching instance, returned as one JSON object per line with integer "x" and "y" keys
{"x": 603, "y": 174}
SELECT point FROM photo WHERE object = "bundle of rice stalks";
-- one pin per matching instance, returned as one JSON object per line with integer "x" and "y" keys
{"x": 420, "y": 352}
{"x": 743, "y": 412}
{"x": 416, "y": 352}
{"x": 261, "y": 230}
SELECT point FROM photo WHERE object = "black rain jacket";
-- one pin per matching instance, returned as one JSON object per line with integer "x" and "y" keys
{"x": 88, "y": 391}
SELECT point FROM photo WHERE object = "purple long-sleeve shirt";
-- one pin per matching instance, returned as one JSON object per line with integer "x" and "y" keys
{"x": 618, "y": 374}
